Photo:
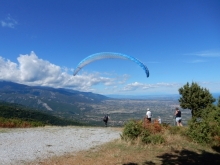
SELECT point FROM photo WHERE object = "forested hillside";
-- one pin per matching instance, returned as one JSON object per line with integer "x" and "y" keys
{"x": 65, "y": 103}
{"x": 15, "y": 115}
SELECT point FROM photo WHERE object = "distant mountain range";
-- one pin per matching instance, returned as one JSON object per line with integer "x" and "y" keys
{"x": 56, "y": 100}
{"x": 64, "y": 102}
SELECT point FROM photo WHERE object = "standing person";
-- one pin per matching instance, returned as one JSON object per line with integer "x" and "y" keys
{"x": 148, "y": 115}
{"x": 159, "y": 119}
{"x": 178, "y": 117}
{"x": 105, "y": 119}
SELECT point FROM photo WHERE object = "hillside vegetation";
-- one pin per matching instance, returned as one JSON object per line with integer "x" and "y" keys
{"x": 165, "y": 145}
{"x": 145, "y": 143}
{"x": 15, "y": 115}
{"x": 61, "y": 102}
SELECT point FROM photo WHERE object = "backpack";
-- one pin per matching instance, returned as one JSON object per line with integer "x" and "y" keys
{"x": 105, "y": 118}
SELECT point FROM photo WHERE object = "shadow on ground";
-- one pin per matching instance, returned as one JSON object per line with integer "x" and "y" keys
{"x": 216, "y": 148}
{"x": 184, "y": 157}
{"x": 147, "y": 162}
{"x": 190, "y": 157}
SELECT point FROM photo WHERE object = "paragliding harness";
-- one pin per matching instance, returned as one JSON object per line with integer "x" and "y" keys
{"x": 105, "y": 119}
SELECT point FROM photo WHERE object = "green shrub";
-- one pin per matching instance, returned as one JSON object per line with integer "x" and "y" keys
{"x": 132, "y": 130}
{"x": 174, "y": 130}
{"x": 147, "y": 138}
{"x": 199, "y": 131}
{"x": 165, "y": 125}
{"x": 206, "y": 129}
{"x": 157, "y": 139}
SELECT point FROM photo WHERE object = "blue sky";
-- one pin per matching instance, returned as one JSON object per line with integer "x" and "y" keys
{"x": 42, "y": 41}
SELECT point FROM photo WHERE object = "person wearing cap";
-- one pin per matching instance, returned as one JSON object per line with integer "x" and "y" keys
{"x": 178, "y": 117}
{"x": 159, "y": 120}
{"x": 148, "y": 115}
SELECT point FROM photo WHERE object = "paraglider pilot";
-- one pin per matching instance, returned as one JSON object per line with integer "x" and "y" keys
{"x": 105, "y": 119}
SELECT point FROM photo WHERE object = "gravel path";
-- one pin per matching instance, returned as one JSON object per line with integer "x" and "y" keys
{"x": 19, "y": 146}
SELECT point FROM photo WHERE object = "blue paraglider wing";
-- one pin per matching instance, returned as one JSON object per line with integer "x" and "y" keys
{"x": 99, "y": 56}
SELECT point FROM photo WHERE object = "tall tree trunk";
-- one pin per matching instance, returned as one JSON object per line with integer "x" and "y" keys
{"x": 192, "y": 112}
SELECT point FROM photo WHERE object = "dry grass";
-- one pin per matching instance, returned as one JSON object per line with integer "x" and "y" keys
{"x": 176, "y": 150}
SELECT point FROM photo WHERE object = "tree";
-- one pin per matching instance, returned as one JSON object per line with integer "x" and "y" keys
{"x": 195, "y": 98}
{"x": 218, "y": 105}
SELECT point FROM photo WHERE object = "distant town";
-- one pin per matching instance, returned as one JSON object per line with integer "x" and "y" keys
{"x": 122, "y": 110}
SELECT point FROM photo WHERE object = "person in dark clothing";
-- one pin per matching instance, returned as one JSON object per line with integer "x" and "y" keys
{"x": 178, "y": 117}
{"x": 105, "y": 119}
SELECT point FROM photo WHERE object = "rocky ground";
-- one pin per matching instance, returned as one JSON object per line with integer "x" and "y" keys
{"x": 20, "y": 146}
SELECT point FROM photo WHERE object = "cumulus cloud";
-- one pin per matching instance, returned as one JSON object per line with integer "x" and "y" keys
{"x": 8, "y": 70}
{"x": 31, "y": 70}
{"x": 9, "y": 22}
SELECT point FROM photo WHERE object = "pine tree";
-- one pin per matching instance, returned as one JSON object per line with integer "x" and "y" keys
{"x": 218, "y": 105}
{"x": 195, "y": 98}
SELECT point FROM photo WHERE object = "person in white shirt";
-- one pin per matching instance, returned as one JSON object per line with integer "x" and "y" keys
{"x": 159, "y": 119}
{"x": 148, "y": 115}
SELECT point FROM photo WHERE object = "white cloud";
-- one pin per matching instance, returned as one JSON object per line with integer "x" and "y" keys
{"x": 208, "y": 53}
{"x": 141, "y": 86}
{"x": 8, "y": 70}
{"x": 31, "y": 70}
{"x": 8, "y": 22}
{"x": 211, "y": 86}
{"x": 124, "y": 79}
{"x": 134, "y": 86}
{"x": 203, "y": 55}
{"x": 197, "y": 61}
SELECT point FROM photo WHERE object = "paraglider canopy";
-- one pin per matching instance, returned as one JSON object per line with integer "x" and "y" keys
{"x": 104, "y": 55}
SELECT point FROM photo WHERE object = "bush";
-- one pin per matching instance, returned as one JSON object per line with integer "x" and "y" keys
{"x": 147, "y": 137}
{"x": 199, "y": 131}
{"x": 148, "y": 132}
{"x": 174, "y": 130}
{"x": 132, "y": 130}
{"x": 206, "y": 130}
{"x": 154, "y": 127}
{"x": 155, "y": 139}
